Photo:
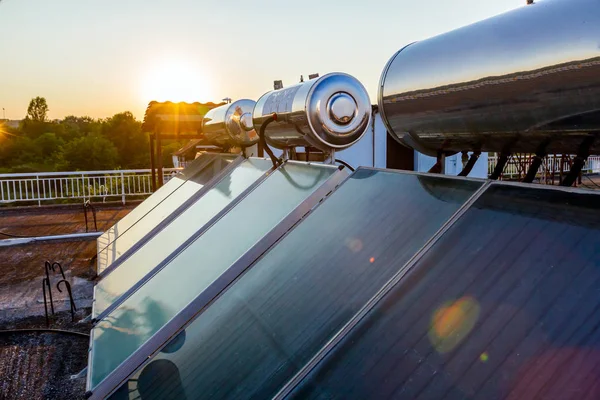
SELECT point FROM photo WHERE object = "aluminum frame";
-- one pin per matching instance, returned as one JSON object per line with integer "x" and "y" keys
{"x": 187, "y": 315}
{"x": 183, "y": 246}
{"x": 201, "y": 167}
{"x": 172, "y": 216}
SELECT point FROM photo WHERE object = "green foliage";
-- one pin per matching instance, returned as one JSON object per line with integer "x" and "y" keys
{"x": 32, "y": 128}
{"x": 49, "y": 144}
{"x": 38, "y": 109}
{"x": 90, "y": 153}
{"x": 125, "y": 132}
{"x": 167, "y": 153}
{"x": 76, "y": 143}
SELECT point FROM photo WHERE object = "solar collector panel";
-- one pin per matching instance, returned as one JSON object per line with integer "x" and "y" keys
{"x": 486, "y": 324}
{"x": 203, "y": 262}
{"x": 263, "y": 329}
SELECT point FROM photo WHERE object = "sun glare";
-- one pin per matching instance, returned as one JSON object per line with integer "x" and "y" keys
{"x": 3, "y": 131}
{"x": 175, "y": 81}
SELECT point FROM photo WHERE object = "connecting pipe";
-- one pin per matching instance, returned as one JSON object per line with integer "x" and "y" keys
{"x": 345, "y": 164}
{"x": 26, "y": 240}
{"x": 263, "y": 142}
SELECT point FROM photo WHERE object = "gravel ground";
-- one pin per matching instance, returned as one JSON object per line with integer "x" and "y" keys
{"x": 39, "y": 365}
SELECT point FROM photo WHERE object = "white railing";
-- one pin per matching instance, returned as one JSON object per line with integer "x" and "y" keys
{"x": 56, "y": 186}
{"x": 517, "y": 165}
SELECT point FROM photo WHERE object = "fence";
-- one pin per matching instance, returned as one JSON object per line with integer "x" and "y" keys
{"x": 553, "y": 164}
{"x": 57, "y": 186}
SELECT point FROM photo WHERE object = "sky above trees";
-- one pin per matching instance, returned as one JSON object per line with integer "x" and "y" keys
{"x": 98, "y": 58}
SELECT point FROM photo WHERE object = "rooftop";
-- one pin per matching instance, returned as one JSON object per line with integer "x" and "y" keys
{"x": 38, "y": 364}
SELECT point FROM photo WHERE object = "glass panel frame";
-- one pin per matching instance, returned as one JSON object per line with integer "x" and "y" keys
{"x": 177, "y": 323}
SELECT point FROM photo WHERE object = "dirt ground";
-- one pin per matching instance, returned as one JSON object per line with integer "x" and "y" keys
{"x": 39, "y": 365}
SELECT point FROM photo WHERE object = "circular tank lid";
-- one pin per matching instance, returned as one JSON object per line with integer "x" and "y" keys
{"x": 339, "y": 110}
{"x": 342, "y": 108}
{"x": 239, "y": 122}
{"x": 246, "y": 121}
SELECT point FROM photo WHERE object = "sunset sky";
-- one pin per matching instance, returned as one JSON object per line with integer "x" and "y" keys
{"x": 97, "y": 58}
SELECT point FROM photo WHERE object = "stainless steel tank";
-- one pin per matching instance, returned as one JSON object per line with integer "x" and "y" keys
{"x": 330, "y": 113}
{"x": 511, "y": 82}
{"x": 231, "y": 124}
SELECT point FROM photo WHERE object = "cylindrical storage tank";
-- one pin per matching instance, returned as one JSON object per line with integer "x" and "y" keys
{"x": 231, "y": 124}
{"x": 329, "y": 113}
{"x": 512, "y": 82}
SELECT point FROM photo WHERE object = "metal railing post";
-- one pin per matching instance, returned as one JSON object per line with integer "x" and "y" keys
{"x": 37, "y": 181}
{"x": 83, "y": 185}
{"x": 123, "y": 187}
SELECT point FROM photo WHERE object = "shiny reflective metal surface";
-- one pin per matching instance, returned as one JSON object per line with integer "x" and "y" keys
{"x": 510, "y": 82}
{"x": 331, "y": 112}
{"x": 231, "y": 124}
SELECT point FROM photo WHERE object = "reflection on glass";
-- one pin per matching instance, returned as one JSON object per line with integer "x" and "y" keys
{"x": 177, "y": 232}
{"x": 155, "y": 199}
{"x": 513, "y": 292}
{"x": 266, "y": 326}
{"x": 201, "y": 263}
{"x": 157, "y": 207}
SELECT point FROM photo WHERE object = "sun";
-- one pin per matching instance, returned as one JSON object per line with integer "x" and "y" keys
{"x": 175, "y": 81}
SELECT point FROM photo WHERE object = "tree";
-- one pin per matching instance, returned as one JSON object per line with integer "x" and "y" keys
{"x": 38, "y": 109}
{"x": 90, "y": 153}
{"x": 48, "y": 144}
{"x": 75, "y": 127}
{"x": 18, "y": 151}
{"x": 125, "y": 132}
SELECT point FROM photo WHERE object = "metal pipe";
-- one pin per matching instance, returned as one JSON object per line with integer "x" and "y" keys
{"x": 159, "y": 162}
{"x": 152, "y": 166}
{"x": 21, "y": 241}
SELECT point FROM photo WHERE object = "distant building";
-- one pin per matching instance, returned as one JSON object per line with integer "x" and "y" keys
{"x": 11, "y": 123}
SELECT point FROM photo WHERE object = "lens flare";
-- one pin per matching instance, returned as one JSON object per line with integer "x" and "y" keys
{"x": 354, "y": 244}
{"x": 452, "y": 322}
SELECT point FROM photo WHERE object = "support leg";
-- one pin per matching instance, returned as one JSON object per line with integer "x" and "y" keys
{"x": 579, "y": 161}
{"x": 470, "y": 164}
{"x": 540, "y": 154}
{"x": 502, "y": 160}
